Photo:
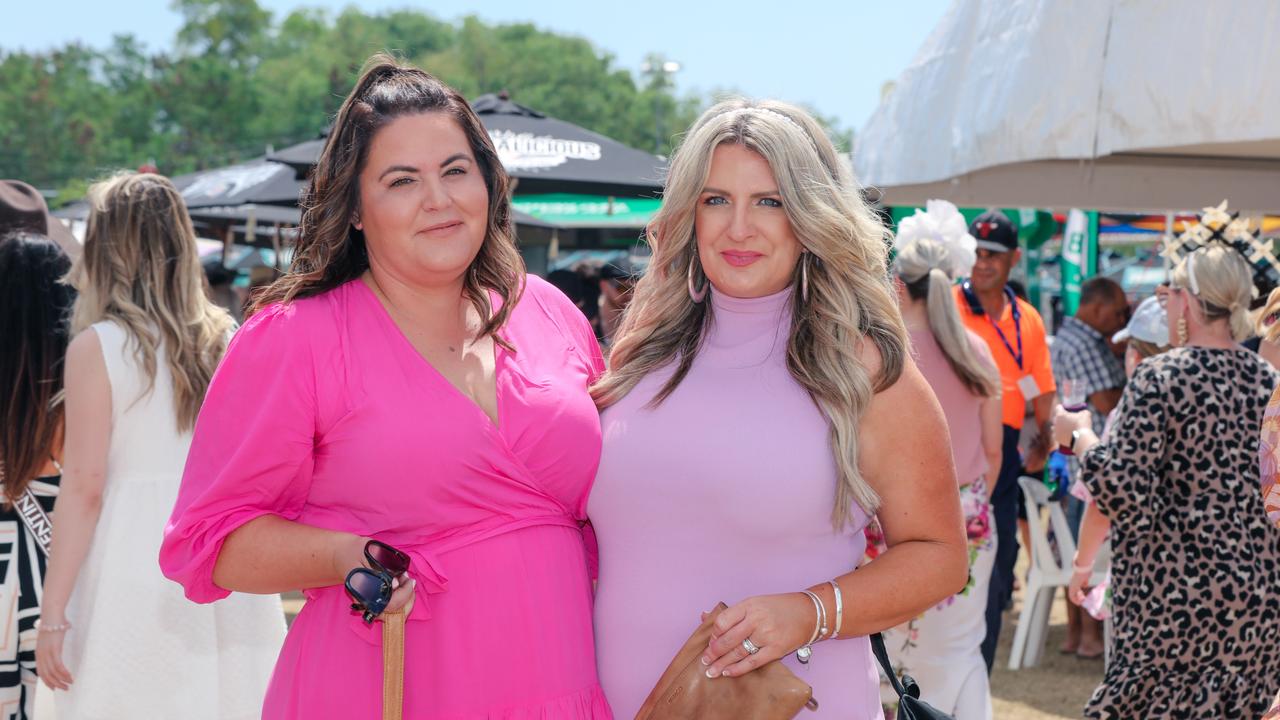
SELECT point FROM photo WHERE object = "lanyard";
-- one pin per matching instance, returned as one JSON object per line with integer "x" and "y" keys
{"x": 976, "y": 307}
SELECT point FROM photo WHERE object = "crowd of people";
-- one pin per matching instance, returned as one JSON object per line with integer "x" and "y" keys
{"x": 804, "y": 437}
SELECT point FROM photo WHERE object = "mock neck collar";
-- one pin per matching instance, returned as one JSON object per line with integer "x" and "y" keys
{"x": 768, "y": 305}
{"x": 745, "y": 332}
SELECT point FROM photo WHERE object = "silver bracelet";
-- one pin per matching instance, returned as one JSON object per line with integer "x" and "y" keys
{"x": 835, "y": 630}
{"x": 41, "y": 627}
{"x": 819, "y": 629}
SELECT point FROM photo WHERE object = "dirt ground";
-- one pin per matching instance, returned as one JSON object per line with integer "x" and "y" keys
{"x": 1056, "y": 689}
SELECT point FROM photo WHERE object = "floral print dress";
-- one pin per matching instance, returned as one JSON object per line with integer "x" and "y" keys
{"x": 939, "y": 647}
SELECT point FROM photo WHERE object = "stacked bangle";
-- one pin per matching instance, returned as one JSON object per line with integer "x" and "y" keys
{"x": 835, "y": 629}
{"x": 819, "y": 629}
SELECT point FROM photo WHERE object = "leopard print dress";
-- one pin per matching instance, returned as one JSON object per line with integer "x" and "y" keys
{"x": 1196, "y": 564}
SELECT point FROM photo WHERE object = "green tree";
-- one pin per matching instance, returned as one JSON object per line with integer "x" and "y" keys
{"x": 235, "y": 30}
{"x": 52, "y": 120}
{"x": 236, "y": 81}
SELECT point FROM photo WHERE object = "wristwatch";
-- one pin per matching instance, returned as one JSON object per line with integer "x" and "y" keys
{"x": 1075, "y": 437}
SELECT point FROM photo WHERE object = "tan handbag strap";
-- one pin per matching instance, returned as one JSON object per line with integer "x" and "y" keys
{"x": 392, "y": 666}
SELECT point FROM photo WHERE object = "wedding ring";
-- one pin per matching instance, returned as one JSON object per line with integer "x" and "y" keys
{"x": 750, "y": 647}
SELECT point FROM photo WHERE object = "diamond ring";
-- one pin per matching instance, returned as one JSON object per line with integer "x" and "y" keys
{"x": 750, "y": 647}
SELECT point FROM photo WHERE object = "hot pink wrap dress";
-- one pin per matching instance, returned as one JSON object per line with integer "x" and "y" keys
{"x": 323, "y": 413}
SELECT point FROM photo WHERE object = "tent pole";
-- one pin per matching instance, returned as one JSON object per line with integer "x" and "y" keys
{"x": 228, "y": 238}
{"x": 275, "y": 247}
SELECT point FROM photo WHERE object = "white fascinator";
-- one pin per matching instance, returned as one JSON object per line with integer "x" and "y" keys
{"x": 941, "y": 222}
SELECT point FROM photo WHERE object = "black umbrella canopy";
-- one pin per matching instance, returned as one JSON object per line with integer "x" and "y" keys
{"x": 549, "y": 155}
{"x": 258, "y": 181}
{"x": 301, "y": 157}
{"x": 266, "y": 215}
{"x": 544, "y": 154}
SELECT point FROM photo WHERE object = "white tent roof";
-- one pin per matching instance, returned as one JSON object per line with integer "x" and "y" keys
{"x": 1109, "y": 104}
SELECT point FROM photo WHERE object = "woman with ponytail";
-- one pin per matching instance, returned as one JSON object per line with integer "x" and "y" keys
{"x": 403, "y": 428}
{"x": 942, "y": 648}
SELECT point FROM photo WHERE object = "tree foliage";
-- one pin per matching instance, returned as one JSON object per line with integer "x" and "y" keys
{"x": 238, "y": 81}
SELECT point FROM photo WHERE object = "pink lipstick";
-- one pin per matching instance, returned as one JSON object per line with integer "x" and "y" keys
{"x": 740, "y": 258}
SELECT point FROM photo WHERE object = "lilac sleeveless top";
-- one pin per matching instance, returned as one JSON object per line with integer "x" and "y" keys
{"x": 722, "y": 492}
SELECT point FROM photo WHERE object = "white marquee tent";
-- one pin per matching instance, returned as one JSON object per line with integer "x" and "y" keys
{"x": 1139, "y": 105}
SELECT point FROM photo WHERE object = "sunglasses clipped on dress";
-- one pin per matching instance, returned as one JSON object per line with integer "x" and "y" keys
{"x": 371, "y": 587}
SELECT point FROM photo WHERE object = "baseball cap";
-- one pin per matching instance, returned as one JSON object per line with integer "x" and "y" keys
{"x": 1148, "y": 324}
{"x": 994, "y": 232}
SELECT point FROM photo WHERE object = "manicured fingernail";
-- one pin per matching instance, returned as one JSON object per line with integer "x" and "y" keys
{"x": 706, "y": 660}
{"x": 711, "y": 673}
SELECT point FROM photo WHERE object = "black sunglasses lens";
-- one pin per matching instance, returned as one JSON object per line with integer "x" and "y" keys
{"x": 386, "y": 557}
{"x": 370, "y": 590}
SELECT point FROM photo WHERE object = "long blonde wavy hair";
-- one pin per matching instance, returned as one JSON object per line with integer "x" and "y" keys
{"x": 850, "y": 297}
{"x": 140, "y": 268}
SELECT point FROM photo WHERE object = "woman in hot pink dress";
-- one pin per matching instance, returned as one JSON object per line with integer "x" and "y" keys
{"x": 406, "y": 382}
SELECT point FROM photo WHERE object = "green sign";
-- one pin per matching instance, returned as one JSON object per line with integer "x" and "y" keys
{"x": 1079, "y": 256}
{"x": 588, "y": 210}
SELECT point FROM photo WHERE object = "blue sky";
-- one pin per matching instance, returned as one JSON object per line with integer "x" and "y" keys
{"x": 831, "y": 54}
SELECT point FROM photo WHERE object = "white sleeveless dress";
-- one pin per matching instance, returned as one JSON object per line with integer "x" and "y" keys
{"x": 137, "y": 647}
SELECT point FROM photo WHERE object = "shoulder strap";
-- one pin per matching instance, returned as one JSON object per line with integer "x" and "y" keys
{"x": 882, "y": 655}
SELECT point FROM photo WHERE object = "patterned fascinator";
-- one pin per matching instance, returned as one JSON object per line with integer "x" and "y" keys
{"x": 1218, "y": 225}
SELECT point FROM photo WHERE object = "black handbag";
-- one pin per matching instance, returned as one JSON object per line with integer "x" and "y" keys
{"x": 910, "y": 706}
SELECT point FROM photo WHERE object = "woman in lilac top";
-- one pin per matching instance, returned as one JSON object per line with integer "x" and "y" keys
{"x": 761, "y": 406}
{"x": 406, "y": 382}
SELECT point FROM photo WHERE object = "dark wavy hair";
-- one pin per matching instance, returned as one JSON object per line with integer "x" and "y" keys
{"x": 331, "y": 251}
{"x": 34, "y": 332}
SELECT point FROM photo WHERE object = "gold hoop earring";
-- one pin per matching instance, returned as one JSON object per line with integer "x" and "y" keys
{"x": 696, "y": 294}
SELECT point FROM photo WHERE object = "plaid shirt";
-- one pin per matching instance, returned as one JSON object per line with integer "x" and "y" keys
{"x": 1081, "y": 353}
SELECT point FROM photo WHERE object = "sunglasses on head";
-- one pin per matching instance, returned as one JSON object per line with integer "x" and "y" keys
{"x": 370, "y": 587}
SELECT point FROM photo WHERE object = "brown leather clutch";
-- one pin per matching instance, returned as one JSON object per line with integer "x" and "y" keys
{"x": 684, "y": 692}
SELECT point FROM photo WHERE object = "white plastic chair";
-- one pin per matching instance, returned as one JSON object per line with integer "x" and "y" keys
{"x": 1048, "y": 572}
